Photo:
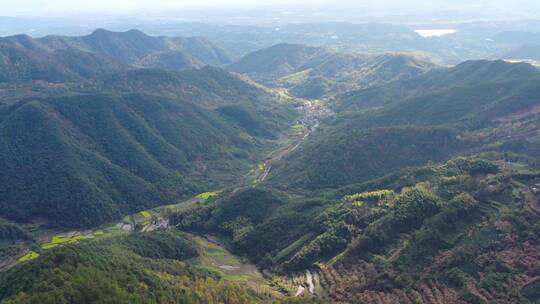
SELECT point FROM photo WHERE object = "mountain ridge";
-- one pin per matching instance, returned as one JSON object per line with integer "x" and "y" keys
{"x": 318, "y": 72}
{"x": 24, "y": 57}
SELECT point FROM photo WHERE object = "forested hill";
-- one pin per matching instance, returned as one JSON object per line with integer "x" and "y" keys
{"x": 131, "y": 141}
{"x": 316, "y": 72}
{"x": 254, "y": 110}
{"x": 19, "y": 64}
{"x": 100, "y": 156}
{"x": 408, "y": 122}
{"x": 280, "y": 60}
{"x": 421, "y": 190}
{"x": 465, "y": 76}
{"x": 62, "y": 58}
{"x": 140, "y": 268}
{"x": 139, "y": 169}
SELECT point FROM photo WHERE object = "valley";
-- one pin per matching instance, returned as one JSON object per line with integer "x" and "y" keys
{"x": 213, "y": 254}
{"x": 312, "y": 111}
{"x": 156, "y": 169}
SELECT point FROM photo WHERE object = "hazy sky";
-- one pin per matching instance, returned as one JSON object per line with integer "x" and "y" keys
{"x": 61, "y": 7}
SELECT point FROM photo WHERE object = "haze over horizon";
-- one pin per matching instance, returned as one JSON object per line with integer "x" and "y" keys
{"x": 480, "y": 9}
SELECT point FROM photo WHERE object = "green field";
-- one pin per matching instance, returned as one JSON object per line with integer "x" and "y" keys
{"x": 58, "y": 240}
{"x": 29, "y": 256}
{"x": 207, "y": 195}
{"x": 231, "y": 268}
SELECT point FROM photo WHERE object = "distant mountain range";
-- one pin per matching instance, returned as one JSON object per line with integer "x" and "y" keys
{"x": 61, "y": 58}
{"x": 19, "y": 64}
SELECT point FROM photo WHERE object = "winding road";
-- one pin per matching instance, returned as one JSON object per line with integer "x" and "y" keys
{"x": 312, "y": 113}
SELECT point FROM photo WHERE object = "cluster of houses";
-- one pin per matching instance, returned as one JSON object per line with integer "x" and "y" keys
{"x": 154, "y": 224}
{"x": 157, "y": 224}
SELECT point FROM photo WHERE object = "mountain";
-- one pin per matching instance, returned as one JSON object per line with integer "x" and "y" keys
{"x": 470, "y": 107}
{"x": 120, "y": 153}
{"x": 446, "y": 222}
{"x": 61, "y": 59}
{"x": 19, "y": 64}
{"x": 473, "y": 40}
{"x": 343, "y": 73}
{"x": 315, "y": 72}
{"x": 130, "y": 146}
{"x": 252, "y": 109}
{"x": 133, "y": 46}
{"x": 172, "y": 60}
{"x": 132, "y": 172}
{"x": 208, "y": 87}
{"x": 458, "y": 232}
{"x": 279, "y": 60}
{"x": 375, "y": 38}
{"x": 410, "y": 122}
{"x": 348, "y": 154}
{"x": 440, "y": 81}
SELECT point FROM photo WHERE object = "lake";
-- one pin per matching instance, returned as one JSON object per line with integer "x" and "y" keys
{"x": 434, "y": 32}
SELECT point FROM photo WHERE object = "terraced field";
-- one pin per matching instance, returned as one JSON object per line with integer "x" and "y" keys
{"x": 215, "y": 257}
